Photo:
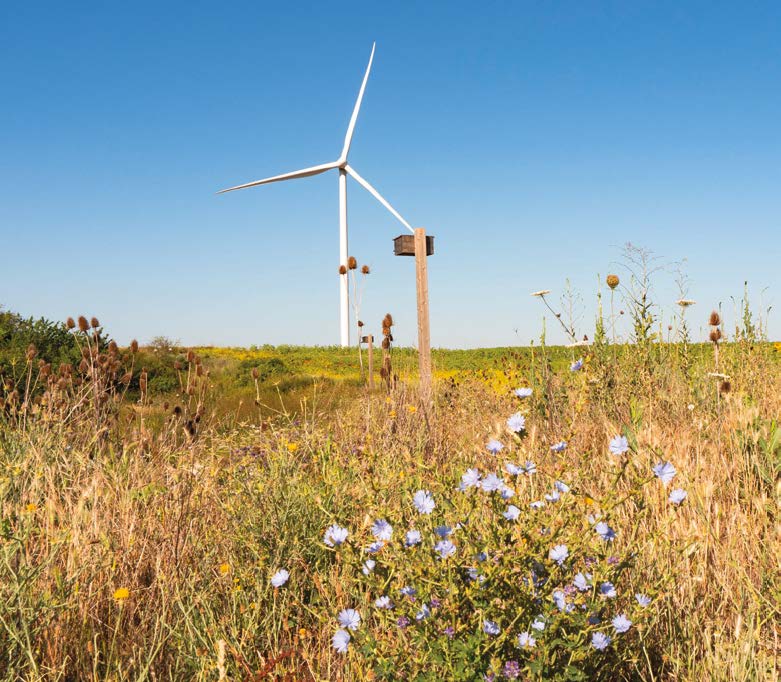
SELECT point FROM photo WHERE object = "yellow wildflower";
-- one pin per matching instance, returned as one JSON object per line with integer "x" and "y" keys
{"x": 412, "y": 409}
{"x": 225, "y": 569}
{"x": 393, "y": 413}
{"x": 121, "y": 595}
{"x": 292, "y": 447}
{"x": 31, "y": 508}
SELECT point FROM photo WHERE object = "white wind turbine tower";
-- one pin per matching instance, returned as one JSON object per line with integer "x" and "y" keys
{"x": 344, "y": 170}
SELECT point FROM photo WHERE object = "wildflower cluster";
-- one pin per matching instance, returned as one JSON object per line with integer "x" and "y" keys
{"x": 512, "y": 572}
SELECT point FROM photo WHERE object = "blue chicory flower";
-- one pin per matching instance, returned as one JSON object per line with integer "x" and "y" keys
{"x": 643, "y": 599}
{"x": 424, "y": 502}
{"x": 618, "y": 445}
{"x": 445, "y": 548}
{"x": 512, "y": 513}
{"x": 607, "y": 589}
{"x": 490, "y": 627}
{"x": 341, "y": 641}
{"x": 516, "y": 422}
{"x": 412, "y": 538}
{"x": 382, "y": 530}
{"x": 621, "y": 623}
{"x": 335, "y": 535}
{"x": 605, "y": 531}
{"x": 559, "y": 554}
{"x": 280, "y": 577}
{"x": 350, "y": 619}
{"x": 494, "y": 446}
{"x": 665, "y": 472}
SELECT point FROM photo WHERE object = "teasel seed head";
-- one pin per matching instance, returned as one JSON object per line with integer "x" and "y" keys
{"x": 360, "y": 323}
{"x": 387, "y": 321}
{"x": 32, "y": 351}
{"x": 134, "y": 346}
{"x": 715, "y": 335}
{"x": 386, "y": 343}
{"x": 112, "y": 347}
{"x": 83, "y": 324}
{"x": 365, "y": 269}
{"x": 83, "y": 366}
{"x": 714, "y": 320}
{"x": 126, "y": 377}
{"x": 352, "y": 263}
{"x": 612, "y": 281}
{"x": 725, "y": 387}
{"x": 255, "y": 373}
{"x": 342, "y": 270}
{"x": 69, "y": 323}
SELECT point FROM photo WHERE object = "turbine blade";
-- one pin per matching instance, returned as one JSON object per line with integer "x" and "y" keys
{"x": 304, "y": 173}
{"x": 378, "y": 197}
{"x": 351, "y": 128}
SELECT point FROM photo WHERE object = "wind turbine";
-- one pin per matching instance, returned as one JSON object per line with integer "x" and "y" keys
{"x": 344, "y": 170}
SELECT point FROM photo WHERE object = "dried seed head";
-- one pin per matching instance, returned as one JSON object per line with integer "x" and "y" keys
{"x": 83, "y": 367}
{"x": 360, "y": 323}
{"x": 83, "y": 324}
{"x": 612, "y": 281}
{"x": 69, "y": 323}
{"x": 714, "y": 320}
{"x": 387, "y": 321}
{"x": 178, "y": 411}
{"x": 342, "y": 270}
{"x": 94, "y": 323}
{"x": 725, "y": 387}
{"x": 255, "y": 373}
{"x": 715, "y": 335}
{"x": 31, "y": 352}
{"x": 386, "y": 343}
{"x": 112, "y": 347}
{"x": 134, "y": 346}
{"x": 352, "y": 263}
{"x": 365, "y": 269}
{"x": 126, "y": 377}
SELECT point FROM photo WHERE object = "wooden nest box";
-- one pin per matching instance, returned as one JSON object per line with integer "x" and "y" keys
{"x": 404, "y": 245}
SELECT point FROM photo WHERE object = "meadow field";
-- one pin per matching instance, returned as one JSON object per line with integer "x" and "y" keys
{"x": 599, "y": 512}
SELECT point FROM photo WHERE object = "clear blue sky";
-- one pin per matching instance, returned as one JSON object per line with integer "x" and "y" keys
{"x": 532, "y": 139}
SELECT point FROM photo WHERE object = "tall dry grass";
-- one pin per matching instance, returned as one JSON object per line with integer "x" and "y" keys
{"x": 135, "y": 551}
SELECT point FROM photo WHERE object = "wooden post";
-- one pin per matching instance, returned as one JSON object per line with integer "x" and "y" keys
{"x": 424, "y": 332}
{"x": 370, "y": 343}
